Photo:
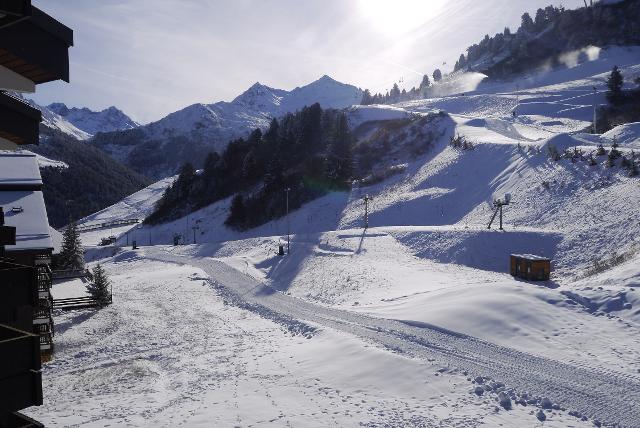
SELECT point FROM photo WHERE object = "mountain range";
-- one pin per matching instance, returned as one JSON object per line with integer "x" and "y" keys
{"x": 158, "y": 149}
{"x": 92, "y": 122}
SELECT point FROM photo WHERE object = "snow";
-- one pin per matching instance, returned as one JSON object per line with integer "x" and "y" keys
{"x": 168, "y": 359}
{"x": 19, "y": 168}
{"x": 108, "y": 120}
{"x": 22, "y": 200}
{"x": 25, "y": 211}
{"x": 359, "y": 114}
{"x": 44, "y": 162}
{"x": 627, "y": 135}
{"x": 136, "y": 206}
{"x": 396, "y": 325}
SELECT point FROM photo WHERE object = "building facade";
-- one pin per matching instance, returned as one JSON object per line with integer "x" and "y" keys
{"x": 33, "y": 50}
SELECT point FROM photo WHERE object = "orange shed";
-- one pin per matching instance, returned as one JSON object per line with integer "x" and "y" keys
{"x": 530, "y": 267}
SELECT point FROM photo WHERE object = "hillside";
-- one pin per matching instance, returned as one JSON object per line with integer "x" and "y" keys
{"x": 86, "y": 181}
{"x": 554, "y": 37}
{"x": 427, "y": 279}
{"x": 160, "y": 148}
{"x": 329, "y": 257}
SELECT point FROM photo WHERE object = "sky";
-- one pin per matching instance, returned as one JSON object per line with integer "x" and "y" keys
{"x": 152, "y": 57}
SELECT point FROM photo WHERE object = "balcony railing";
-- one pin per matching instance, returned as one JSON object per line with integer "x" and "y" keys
{"x": 18, "y": 284}
{"x": 20, "y": 378}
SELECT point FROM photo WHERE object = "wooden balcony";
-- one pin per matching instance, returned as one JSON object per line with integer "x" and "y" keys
{"x": 20, "y": 377}
{"x": 18, "y": 286}
{"x": 37, "y": 47}
{"x": 19, "y": 122}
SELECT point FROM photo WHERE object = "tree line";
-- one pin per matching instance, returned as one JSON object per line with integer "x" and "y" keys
{"x": 309, "y": 151}
{"x": 395, "y": 95}
{"x": 553, "y": 31}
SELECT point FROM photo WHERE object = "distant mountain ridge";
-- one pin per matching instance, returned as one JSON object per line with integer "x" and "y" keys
{"x": 159, "y": 148}
{"x": 91, "y": 180}
{"x": 108, "y": 120}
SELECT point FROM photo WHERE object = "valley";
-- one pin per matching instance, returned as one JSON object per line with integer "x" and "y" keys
{"x": 413, "y": 321}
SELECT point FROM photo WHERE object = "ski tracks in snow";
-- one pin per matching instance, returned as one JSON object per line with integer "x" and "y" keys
{"x": 594, "y": 391}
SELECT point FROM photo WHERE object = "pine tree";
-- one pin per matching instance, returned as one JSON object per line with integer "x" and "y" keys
{"x": 437, "y": 75}
{"x": 395, "y": 92}
{"x": 526, "y": 22}
{"x": 71, "y": 256}
{"x": 237, "y": 213}
{"x": 614, "y": 83}
{"x": 211, "y": 168}
{"x": 425, "y": 83}
{"x": 339, "y": 160}
{"x": 367, "y": 99}
{"x": 100, "y": 287}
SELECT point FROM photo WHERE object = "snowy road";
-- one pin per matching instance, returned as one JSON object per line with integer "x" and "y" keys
{"x": 594, "y": 391}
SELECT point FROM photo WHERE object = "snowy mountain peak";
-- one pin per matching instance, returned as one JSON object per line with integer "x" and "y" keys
{"x": 327, "y": 78}
{"x": 326, "y": 91}
{"x": 92, "y": 122}
{"x": 260, "y": 97}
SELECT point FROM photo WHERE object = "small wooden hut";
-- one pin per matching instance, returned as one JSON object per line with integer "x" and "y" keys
{"x": 530, "y": 267}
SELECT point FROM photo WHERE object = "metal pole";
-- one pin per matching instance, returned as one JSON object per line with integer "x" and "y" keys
{"x": 194, "y": 234}
{"x": 595, "y": 102}
{"x": 500, "y": 216}
{"x": 288, "y": 224}
{"x": 366, "y": 213}
{"x": 367, "y": 198}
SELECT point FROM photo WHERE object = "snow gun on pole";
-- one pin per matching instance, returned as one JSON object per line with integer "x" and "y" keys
{"x": 498, "y": 204}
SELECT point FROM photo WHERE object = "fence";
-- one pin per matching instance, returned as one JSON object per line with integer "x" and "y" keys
{"x": 96, "y": 226}
{"x": 75, "y": 303}
{"x": 71, "y": 273}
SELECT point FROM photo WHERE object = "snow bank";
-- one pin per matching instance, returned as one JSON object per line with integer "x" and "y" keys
{"x": 627, "y": 135}
{"x": 359, "y": 114}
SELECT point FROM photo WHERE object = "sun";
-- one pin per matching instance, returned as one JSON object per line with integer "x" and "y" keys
{"x": 396, "y": 17}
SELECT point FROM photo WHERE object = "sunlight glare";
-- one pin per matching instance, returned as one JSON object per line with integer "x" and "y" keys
{"x": 397, "y": 17}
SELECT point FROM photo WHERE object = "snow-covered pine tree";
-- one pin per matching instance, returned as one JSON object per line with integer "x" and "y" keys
{"x": 100, "y": 287}
{"x": 71, "y": 256}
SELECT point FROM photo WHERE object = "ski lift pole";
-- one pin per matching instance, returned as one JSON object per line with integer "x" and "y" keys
{"x": 287, "y": 190}
{"x": 367, "y": 198}
{"x": 495, "y": 212}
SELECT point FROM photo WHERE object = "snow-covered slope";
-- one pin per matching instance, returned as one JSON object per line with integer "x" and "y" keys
{"x": 426, "y": 280}
{"x": 92, "y": 122}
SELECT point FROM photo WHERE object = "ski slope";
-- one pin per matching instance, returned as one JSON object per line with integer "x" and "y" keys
{"x": 412, "y": 322}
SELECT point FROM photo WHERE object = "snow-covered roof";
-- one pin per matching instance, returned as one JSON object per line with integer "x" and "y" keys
{"x": 531, "y": 257}
{"x": 25, "y": 210}
{"x": 19, "y": 169}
